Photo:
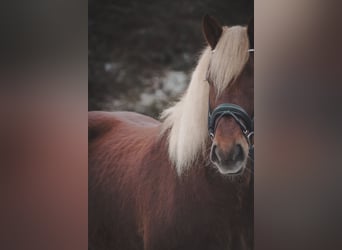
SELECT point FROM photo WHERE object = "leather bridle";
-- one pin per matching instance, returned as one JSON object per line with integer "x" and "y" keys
{"x": 240, "y": 116}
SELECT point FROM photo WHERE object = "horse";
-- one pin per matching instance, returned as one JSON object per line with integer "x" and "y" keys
{"x": 186, "y": 181}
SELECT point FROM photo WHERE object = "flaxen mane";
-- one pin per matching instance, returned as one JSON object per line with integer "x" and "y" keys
{"x": 186, "y": 121}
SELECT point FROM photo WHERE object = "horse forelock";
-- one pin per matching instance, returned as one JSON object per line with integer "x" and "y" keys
{"x": 229, "y": 57}
{"x": 187, "y": 121}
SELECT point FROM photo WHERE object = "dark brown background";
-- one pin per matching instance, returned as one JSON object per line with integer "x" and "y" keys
{"x": 141, "y": 53}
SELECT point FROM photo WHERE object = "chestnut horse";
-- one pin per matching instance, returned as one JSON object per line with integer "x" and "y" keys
{"x": 186, "y": 182}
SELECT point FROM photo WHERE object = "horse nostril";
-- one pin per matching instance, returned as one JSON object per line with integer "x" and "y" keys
{"x": 237, "y": 154}
{"x": 227, "y": 157}
{"x": 213, "y": 155}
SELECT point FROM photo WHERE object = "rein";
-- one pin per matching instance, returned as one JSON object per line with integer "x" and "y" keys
{"x": 241, "y": 117}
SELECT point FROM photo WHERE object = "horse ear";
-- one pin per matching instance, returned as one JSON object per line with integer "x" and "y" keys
{"x": 212, "y": 30}
{"x": 250, "y": 32}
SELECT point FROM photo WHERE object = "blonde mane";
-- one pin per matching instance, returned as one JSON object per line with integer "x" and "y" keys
{"x": 187, "y": 121}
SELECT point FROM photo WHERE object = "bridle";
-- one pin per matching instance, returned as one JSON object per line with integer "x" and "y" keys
{"x": 241, "y": 117}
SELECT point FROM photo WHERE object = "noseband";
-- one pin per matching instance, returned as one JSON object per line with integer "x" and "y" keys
{"x": 241, "y": 117}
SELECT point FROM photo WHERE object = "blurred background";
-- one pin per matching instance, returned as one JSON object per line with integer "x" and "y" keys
{"x": 43, "y": 128}
{"x": 141, "y": 53}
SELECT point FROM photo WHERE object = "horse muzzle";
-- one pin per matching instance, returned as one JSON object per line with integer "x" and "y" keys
{"x": 230, "y": 161}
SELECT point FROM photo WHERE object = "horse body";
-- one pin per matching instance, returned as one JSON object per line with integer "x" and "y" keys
{"x": 143, "y": 204}
{"x": 165, "y": 185}
{"x": 117, "y": 141}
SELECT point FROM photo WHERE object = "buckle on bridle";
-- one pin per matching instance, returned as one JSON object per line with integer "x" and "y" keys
{"x": 249, "y": 139}
{"x": 211, "y": 135}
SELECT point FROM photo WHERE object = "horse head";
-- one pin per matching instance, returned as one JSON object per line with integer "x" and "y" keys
{"x": 231, "y": 95}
